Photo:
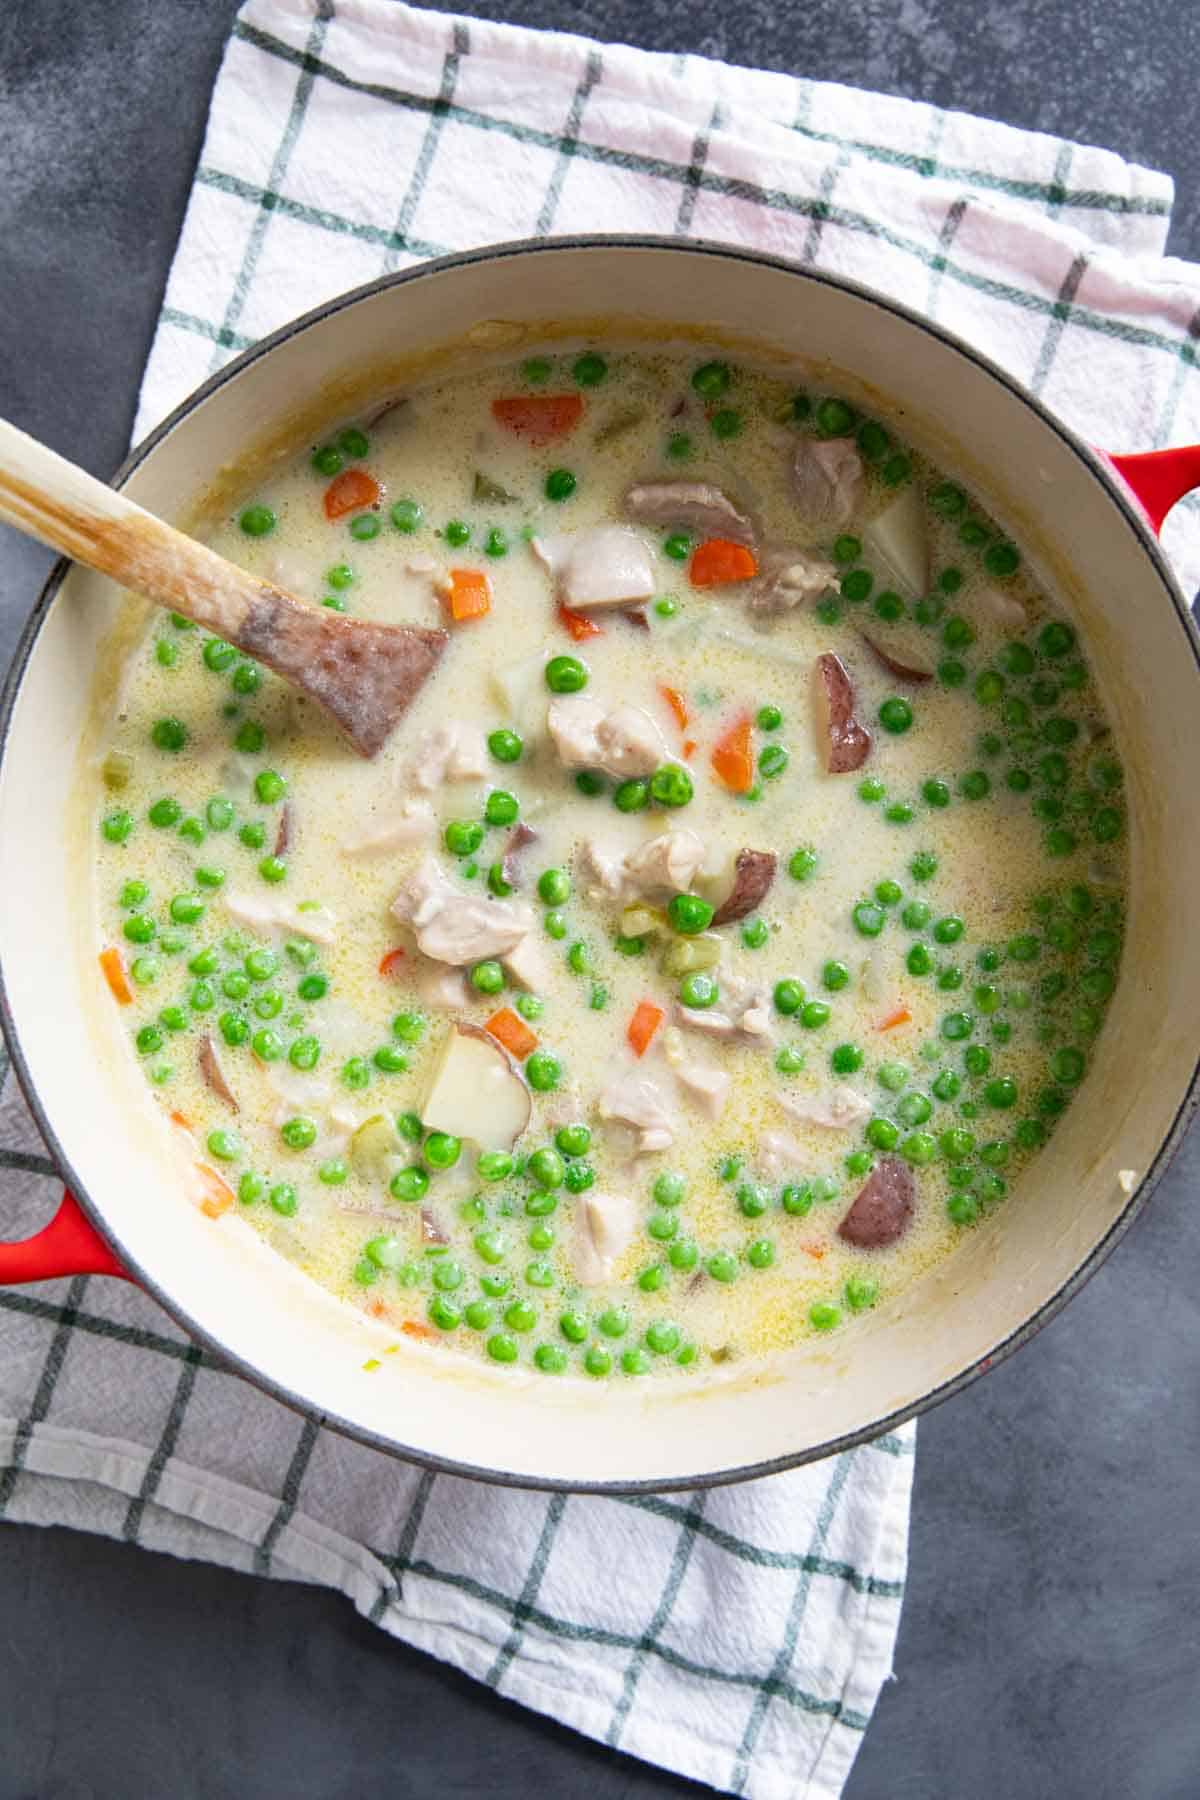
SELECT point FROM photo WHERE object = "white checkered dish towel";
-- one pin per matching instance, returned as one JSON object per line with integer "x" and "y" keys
{"x": 739, "y": 1636}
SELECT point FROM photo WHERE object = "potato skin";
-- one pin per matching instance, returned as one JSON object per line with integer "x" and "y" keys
{"x": 883, "y": 1209}
{"x": 844, "y": 743}
{"x": 753, "y": 873}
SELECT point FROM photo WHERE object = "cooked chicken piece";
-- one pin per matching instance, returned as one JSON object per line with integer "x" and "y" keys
{"x": 744, "y": 1013}
{"x": 624, "y": 742}
{"x": 694, "y": 506}
{"x": 706, "y": 1085}
{"x": 453, "y": 752}
{"x": 453, "y": 927}
{"x": 606, "y": 864}
{"x": 835, "y": 1109}
{"x": 1004, "y": 609}
{"x": 827, "y": 476}
{"x": 639, "y": 1103}
{"x": 604, "y": 1228}
{"x": 606, "y": 565}
{"x": 779, "y": 1154}
{"x": 263, "y": 913}
{"x": 526, "y": 965}
{"x": 411, "y": 823}
{"x": 666, "y": 864}
{"x": 437, "y": 985}
{"x": 788, "y": 578}
{"x": 663, "y": 865}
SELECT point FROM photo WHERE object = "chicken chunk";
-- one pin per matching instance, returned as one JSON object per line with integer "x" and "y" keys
{"x": 666, "y": 864}
{"x": 457, "y": 928}
{"x": 604, "y": 1228}
{"x": 694, "y": 506}
{"x": 779, "y": 1154}
{"x": 437, "y": 986}
{"x": 451, "y": 752}
{"x": 788, "y": 578}
{"x": 624, "y": 742}
{"x": 412, "y": 822}
{"x": 606, "y": 565}
{"x": 827, "y": 478}
{"x": 1002, "y": 609}
{"x": 835, "y": 1109}
{"x": 706, "y": 1086}
{"x": 663, "y": 865}
{"x": 744, "y": 1013}
{"x": 263, "y": 913}
{"x": 639, "y": 1103}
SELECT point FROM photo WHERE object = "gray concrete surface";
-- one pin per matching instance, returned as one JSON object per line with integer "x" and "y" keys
{"x": 1051, "y": 1637}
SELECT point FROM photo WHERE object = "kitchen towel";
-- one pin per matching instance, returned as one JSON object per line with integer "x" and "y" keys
{"x": 739, "y": 1636}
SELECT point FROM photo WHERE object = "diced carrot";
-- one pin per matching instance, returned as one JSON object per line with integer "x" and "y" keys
{"x": 733, "y": 759}
{"x": 814, "y": 1250}
{"x": 512, "y": 1032}
{"x": 349, "y": 492}
{"x": 718, "y": 561}
{"x": 113, "y": 965}
{"x": 389, "y": 963}
{"x": 218, "y": 1197}
{"x": 539, "y": 418}
{"x": 182, "y": 1120}
{"x": 470, "y": 594}
{"x": 677, "y": 704}
{"x": 416, "y": 1328}
{"x": 377, "y": 1309}
{"x": 645, "y": 1022}
{"x": 579, "y": 624}
{"x": 689, "y": 749}
{"x": 900, "y": 1016}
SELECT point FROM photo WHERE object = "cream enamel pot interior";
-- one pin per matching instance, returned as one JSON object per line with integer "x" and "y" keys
{"x": 1073, "y": 514}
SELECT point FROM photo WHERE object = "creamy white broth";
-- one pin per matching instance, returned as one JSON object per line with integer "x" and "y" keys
{"x": 742, "y": 1253}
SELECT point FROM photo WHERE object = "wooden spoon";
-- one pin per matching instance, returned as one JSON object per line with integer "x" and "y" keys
{"x": 363, "y": 675}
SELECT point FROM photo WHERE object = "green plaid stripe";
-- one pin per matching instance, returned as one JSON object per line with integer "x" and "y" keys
{"x": 289, "y": 1497}
{"x": 568, "y": 143}
{"x": 287, "y": 143}
{"x": 1051, "y": 194}
{"x": 772, "y": 199}
{"x": 523, "y": 1610}
{"x": 693, "y": 172}
{"x": 56, "y": 1355}
{"x": 165, "y": 1447}
{"x": 571, "y": 1631}
{"x": 684, "y": 1545}
{"x": 460, "y": 45}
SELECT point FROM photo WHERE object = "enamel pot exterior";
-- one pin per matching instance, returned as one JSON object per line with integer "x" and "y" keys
{"x": 1075, "y": 519}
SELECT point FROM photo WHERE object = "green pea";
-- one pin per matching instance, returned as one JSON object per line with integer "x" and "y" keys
{"x": 823, "y": 1316}
{"x": 835, "y": 976}
{"x": 814, "y": 1014}
{"x": 698, "y": 989}
{"x": 234, "y": 1029}
{"x": 883, "y": 1134}
{"x": 712, "y": 379}
{"x": 679, "y": 446}
{"x": 871, "y": 789}
{"x": 722, "y": 1266}
{"x": 411, "y": 1183}
{"x": 543, "y": 1072}
{"x": 683, "y": 1254}
{"x": 283, "y": 1199}
{"x": 1001, "y": 1093}
{"x": 788, "y": 996}
{"x": 677, "y": 546}
{"x": 899, "y": 813}
{"x": 1056, "y": 639}
{"x": 895, "y": 715}
{"x": 441, "y": 1150}
{"x": 869, "y": 918}
{"x": 914, "y": 1108}
{"x": 951, "y": 672}
{"x": 923, "y": 866}
{"x": 834, "y": 418}
{"x": 772, "y": 762}
{"x": 844, "y": 1059}
{"x": 755, "y": 934}
{"x": 769, "y": 718}
{"x": 257, "y": 521}
{"x": 163, "y": 814}
{"x": 671, "y": 785}
{"x": 689, "y": 914}
{"x": 802, "y": 863}
{"x": 566, "y": 675}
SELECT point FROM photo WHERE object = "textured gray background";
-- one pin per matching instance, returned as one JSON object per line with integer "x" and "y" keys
{"x": 1051, "y": 1637}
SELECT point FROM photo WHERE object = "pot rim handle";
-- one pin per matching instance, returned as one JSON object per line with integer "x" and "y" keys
{"x": 68, "y": 1245}
{"x": 1158, "y": 478}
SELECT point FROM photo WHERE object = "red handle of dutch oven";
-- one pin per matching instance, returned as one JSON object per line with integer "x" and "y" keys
{"x": 70, "y": 1245}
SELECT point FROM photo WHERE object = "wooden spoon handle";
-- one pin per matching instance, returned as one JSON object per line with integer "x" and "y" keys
{"x": 47, "y": 497}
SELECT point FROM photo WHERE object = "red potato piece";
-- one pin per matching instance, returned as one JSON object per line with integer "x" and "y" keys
{"x": 519, "y": 838}
{"x": 903, "y": 671}
{"x": 283, "y": 834}
{"x": 753, "y": 873}
{"x": 636, "y": 617}
{"x": 431, "y": 1230}
{"x": 883, "y": 1210}
{"x": 844, "y": 743}
{"x": 214, "y": 1075}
